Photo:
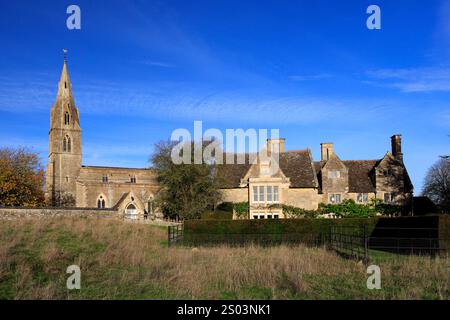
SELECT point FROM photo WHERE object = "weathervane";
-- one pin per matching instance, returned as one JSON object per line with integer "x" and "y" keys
{"x": 65, "y": 54}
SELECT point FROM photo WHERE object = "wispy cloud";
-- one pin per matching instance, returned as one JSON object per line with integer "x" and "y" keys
{"x": 319, "y": 76}
{"x": 412, "y": 80}
{"x": 175, "y": 101}
{"x": 178, "y": 102}
{"x": 158, "y": 64}
{"x": 21, "y": 96}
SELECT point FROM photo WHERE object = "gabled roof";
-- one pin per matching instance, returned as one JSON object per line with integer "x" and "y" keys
{"x": 122, "y": 198}
{"x": 407, "y": 181}
{"x": 296, "y": 165}
{"x": 359, "y": 174}
{"x": 233, "y": 173}
{"x": 407, "y": 184}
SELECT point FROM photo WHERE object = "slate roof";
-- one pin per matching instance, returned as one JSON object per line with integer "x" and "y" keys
{"x": 360, "y": 175}
{"x": 233, "y": 173}
{"x": 296, "y": 165}
{"x": 303, "y": 172}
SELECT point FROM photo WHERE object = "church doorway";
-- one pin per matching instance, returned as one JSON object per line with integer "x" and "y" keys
{"x": 131, "y": 212}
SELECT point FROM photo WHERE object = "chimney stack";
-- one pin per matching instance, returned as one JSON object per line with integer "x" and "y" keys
{"x": 273, "y": 143}
{"x": 396, "y": 143}
{"x": 326, "y": 150}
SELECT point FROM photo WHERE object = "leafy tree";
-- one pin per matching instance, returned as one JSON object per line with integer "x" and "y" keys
{"x": 187, "y": 190}
{"x": 437, "y": 184}
{"x": 21, "y": 178}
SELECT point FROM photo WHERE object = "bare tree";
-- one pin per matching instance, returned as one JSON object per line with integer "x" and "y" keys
{"x": 437, "y": 184}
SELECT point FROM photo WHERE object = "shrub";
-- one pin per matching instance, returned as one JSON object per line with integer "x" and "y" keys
{"x": 295, "y": 212}
{"x": 350, "y": 209}
{"x": 225, "y": 206}
{"x": 241, "y": 209}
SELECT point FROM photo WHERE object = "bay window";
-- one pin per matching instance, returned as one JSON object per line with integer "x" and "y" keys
{"x": 265, "y": 194}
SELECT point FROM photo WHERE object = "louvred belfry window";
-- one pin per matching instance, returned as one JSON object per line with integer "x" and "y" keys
{"x": 66, "y": 118}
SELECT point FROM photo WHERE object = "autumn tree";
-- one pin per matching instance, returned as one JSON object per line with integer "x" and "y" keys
{"x": 437, "y": 184}
{"x": 21, "y": 178}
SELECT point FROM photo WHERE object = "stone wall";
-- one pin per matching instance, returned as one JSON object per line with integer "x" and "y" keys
{"x": 91, "y": 186}
{"x": 235, "y": 195}
{"x": 308, "y": 198}
{"x": 25, "y": 212}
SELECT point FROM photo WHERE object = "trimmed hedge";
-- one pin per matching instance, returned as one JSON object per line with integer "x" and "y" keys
{"x": 252, "y": 226}
{"x": 444, "y": 233}
{"x": 317, "y": 231}
{"x": 304, "y": 230}
{"x": 217, "y": 215}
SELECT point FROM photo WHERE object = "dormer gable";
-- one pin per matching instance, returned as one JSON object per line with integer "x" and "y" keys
{"x": 334, "y": 175}
{"x": 391, "y": 175}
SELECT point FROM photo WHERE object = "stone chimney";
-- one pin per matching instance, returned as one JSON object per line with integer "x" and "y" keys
{"x": 326, "y": 150}
{"x": 396, "y": 143}
{"x": 272, "y": 144}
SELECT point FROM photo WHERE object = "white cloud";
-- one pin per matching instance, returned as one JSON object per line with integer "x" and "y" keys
{"x": 319, "y": 76}
{"x": 158, "y": 64}
{"x": 412, "y": 80}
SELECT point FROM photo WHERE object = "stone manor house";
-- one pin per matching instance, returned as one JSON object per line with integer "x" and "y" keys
{"x": 300, "y": 181}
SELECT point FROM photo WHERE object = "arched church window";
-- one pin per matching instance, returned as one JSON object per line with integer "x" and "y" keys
{"x": 101, "y": 204}
{"x": 67, "y": 146}
{"x": 67, "y": 118}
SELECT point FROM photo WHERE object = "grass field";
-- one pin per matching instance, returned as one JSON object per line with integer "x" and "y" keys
{"x": 119, "y": 260}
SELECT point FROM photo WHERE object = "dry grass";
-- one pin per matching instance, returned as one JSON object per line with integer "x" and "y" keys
{"x": 130, "y": 261}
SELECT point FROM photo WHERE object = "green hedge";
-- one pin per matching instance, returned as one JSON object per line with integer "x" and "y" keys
{"x": 444, "y": 233}
{"x": 305, "y": 230}
{"x": 217, "y": 215}
{"x": 314, "y": 231}
{"x": 252, "y": 226}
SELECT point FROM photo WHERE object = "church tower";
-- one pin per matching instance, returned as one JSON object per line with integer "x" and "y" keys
{"x": 64, "y": 157}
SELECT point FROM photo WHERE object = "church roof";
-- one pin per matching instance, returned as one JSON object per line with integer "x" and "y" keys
{"x": 118, "y": 168}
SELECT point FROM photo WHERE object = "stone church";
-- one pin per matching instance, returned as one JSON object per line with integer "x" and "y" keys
{"x": 131, "y": 191}
{"x": 299, "y": 180}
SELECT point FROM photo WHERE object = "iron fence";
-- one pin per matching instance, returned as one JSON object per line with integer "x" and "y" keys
{"x": 407, "y": 240}
{"x": 175, "y": 234}
{"x": 350, "y": 241}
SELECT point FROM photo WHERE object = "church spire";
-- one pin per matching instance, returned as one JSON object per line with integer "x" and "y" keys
{"x": 64, "y": 85}
{"x": 64, "y": 156}
{"x": 65, "y": 102}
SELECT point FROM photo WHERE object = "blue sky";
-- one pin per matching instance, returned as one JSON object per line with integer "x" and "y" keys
{"x": 141, "y": 69}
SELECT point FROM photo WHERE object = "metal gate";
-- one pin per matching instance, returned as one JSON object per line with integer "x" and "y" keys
{"x": 175, "y": 234}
